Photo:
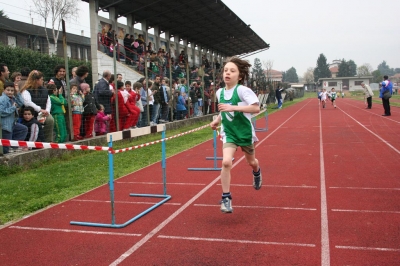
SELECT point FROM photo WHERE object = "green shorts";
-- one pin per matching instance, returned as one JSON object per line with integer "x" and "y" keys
{"x": 247, "y": 149}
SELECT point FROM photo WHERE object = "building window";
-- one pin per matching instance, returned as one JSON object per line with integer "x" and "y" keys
{"x": 85, "y": 54}
{"x": 332, "y": 84}
{"x": 358, "y": 83}
{"x": 69, "y": 51}
{"x": 38, "y": 45}
{"x": 79, "y": 52}
{"x": 52, "y": 48}
{"x": 12, "y": 41}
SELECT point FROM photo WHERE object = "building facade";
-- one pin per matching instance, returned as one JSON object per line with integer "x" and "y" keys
{"x": 345, "y": 83}
{"x": 19, "y": 34}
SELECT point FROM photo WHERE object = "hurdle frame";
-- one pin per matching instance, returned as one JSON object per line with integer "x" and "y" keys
{"x": 254, "y": 121}
{"x": 123, "y": 135}
{"x": 215, "y": 158}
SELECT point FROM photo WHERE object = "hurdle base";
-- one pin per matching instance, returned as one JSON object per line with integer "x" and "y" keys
{"x": 204, "y": 169}
{"x": 213, "y": 158}
{"x": 216, "y": 158}
{"x": 166, "y": 198}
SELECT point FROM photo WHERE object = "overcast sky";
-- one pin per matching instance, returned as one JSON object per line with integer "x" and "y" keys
{"x": 366, "y": 31}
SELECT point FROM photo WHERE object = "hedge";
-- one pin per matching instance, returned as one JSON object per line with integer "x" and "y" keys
{"x": 16, "y": 58}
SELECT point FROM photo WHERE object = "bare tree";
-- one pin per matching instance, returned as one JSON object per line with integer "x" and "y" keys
{"x": 308, "y": 76}
{"x": 268, "y": 69}
{"x": 364, "y": 70}
{"x": 56, "y": 11}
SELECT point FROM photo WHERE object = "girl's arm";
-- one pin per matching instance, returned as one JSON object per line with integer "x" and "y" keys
{"x": 48, "y": 105}
{"x": 253, "y": 108}
{"x": 215, "y": 122}
{"x": 28, "y": 101}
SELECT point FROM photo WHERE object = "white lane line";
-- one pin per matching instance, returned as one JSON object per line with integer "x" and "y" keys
{"x": 365, "y": 211}
{"x": 187, "y": 204}
{"x": 159, "y": 183}
{"x": 127, "y": 202}
{"x": 236, "y": 241}
{"x": 73, "y": 231}
{"x": 367, "y": 188}
{"x": 259, "y": 207}
{"x": 275, "y": 186}
{"x": 325, "y": 253}
{"x": 368, "y": 248}
{"x": 372, "y": 113}
{"x": 373, "y": 133}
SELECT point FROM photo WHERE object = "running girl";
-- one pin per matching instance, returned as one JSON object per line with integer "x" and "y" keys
{"x": 236, "y": 103}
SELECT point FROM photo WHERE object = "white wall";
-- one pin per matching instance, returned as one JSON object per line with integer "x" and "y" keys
{"x": 107, "y": 63}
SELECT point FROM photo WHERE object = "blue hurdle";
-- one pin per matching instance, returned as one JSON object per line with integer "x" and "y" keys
{"x": 125, "y": 135}
{"x": 254, "y": 120}
{"x": 215, "y": 158}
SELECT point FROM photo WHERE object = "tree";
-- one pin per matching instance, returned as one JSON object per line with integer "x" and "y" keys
{"x": 344, "y": 69}
{"x": 291, "y": 75}
{"x": 2, "y": 14}
{"x": 352, "y": 68}
{"x": 347, "y": 69}
{"x": 309, "y": 76}
{"x": 377, "y": 76}
{"x": 322, "y": 69}
{"x": 385, "y": 69}
{"x": 56, "y": 11}
{"x": 258, "y": 75}
{"x": 364, "y": 70}
{"x": 268, "y": 69}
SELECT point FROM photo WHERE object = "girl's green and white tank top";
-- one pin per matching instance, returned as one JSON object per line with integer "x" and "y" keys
{"x": 236, "y": 126}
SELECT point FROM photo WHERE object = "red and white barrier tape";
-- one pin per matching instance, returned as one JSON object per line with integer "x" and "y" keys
{"x": 41, "y": 145}
{"x": 158, "y": 141}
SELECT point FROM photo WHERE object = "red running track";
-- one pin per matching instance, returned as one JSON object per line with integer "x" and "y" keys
{"x": 330, "y": 196}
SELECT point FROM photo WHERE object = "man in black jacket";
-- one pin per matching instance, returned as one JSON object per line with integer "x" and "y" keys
{"x": 103, "y": 93}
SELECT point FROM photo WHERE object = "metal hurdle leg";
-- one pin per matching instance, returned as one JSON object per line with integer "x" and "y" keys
{"x": 111, "y": 184}
{"x": 215, "y": 158}
{"x": 254, "y": 120}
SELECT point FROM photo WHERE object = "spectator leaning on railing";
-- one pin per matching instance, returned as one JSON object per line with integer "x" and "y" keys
{"x": 36, "y": 96}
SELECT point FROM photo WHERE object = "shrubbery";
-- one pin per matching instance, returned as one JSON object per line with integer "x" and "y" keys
{"x": 16, "y": 58}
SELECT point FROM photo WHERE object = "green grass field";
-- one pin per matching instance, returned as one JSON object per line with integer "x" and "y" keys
{"x": 24, "y": 190}
{"x": 394, "y": 101}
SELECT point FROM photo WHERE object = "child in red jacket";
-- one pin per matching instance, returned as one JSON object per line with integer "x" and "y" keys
{"x": 124, "y": 118}
{"x": 134, "y": 111}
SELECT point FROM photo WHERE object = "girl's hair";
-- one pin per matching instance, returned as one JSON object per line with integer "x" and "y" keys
{"x": 51, "y": 88}
{"x": 31, "y": 82}
{"x": 137, "y": 85}
{"x": 14, "y": 75}
{"x": 243, "y": 67}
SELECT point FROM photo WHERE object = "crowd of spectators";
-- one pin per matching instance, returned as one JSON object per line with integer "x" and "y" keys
{"x": 35, "y": 109}
{"x": 133, "y": 51}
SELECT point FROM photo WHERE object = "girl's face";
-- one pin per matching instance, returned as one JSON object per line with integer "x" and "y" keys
{"x": 74, "y": 89}
{"x": 17, "y": 79}
{"x": 39, "y": 82}
{"x": 9, "y": 91}
{"x": 231, "y": 74}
